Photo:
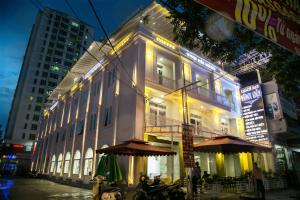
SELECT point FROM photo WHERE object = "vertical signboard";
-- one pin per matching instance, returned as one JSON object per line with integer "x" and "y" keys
{"x": 254, "y": 113}
{"x": 187, "y": 145}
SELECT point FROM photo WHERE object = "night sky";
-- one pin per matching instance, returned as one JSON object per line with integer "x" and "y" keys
{"x": 17, "y": 18}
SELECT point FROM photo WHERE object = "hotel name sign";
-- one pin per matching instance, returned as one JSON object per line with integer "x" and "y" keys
{"x": 254, "y": 113}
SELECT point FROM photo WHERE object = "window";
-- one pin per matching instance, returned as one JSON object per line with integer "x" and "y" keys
{"x": 54, "y": 76}
{"x": 53, "y": 160}
{"x": 45, "y": 74}
{"x": 111, "y": 77}
{"x": 51, "y": 44}
{"x": 37, "y": 108}
{"x": 93, "y": 122}
{"x": 23, "y": 135}
{"x": 58, "y": 53}
{"x": 52, "y": 84}
{"x": 37, "y": 72}
{"x": 35, "y": 81}
{"x": 48, "y": 59}
{"x": 33, "y": 127}
{"x": 46, "y": 66}
{"x": 80, "y": 126}
{"x": 108, "y": 113}
{"x": 60, "y": 46}
{"x": 59, "y": 163}
{"x": 56, "y": 60}
{"x": 27, "y": 116}
{"x": 69, "y": 56}
{"x": 33, "y": 89}
{"x": 88, "y": 162}
{"x": 42, "y": 82}
{"x": 25, "y": 126}
{"x": 41, "y": 90}
{"x": 39, "y": 99}
{"x": 35, "y": 118}
{"x": 71, "y": 130}
{"x": 67, "y": 64}
{"x": 31, "y": 136}
{"x": 29, "y": 107}
{"x": 57, "y": 136}
{"x": 67, "y": 162}
{"x": 76, "y": 162}
{"x": 39, "y": 64}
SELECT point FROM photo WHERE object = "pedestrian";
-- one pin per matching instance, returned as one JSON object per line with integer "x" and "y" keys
{"x": 257, "y": 174}
{"x": 196, "y": 175}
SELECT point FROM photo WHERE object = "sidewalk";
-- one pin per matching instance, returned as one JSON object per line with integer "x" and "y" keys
{"x": 288, "y": 194}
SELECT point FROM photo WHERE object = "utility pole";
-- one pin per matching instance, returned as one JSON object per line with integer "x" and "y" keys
{"x": 187, "y": 138}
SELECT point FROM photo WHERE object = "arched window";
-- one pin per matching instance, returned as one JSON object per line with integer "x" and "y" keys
{"x": 67, "y": 162}
{"x": 53, "y": 160}
{"x": 76, "y": 162}
{"x": 59, "y": 163}
{"x": 88, "y": 162}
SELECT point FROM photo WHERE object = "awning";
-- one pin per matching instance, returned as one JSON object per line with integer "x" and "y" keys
{"x": 229, "y": 144}
{"x": 136, "y": 147}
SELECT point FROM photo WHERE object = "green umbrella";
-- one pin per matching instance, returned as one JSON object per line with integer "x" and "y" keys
{"x": 109, "y": 167}
{"x": 102, "y": 166}
{"x": 114, "y": 171}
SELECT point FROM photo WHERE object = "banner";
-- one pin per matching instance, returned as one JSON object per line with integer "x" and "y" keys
{"x": 276, "y": 20}
{"x": 254, "y": 114}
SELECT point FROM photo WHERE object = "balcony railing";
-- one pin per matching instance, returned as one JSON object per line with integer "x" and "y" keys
{"x": 208, "y": 94}
{"x": 167, "y": 82}
{"x": 163, "y": 126}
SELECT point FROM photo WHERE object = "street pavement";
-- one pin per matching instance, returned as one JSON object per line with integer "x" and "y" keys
{"x": 39, "y": 189}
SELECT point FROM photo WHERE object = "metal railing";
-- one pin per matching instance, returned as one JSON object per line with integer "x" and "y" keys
{"x": 165, "y": 81}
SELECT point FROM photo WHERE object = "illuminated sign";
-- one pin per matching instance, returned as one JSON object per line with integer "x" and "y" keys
{"x": 200, "y": 60}
{"x": 254, "y": 113}
{"x": 54, "y": 105}
{"x": 17, "y": 145}
{"x": 166, "y": 43}
{"x": 120, "y": 44}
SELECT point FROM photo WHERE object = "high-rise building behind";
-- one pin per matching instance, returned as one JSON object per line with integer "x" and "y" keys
{"x": 55, "y": 44}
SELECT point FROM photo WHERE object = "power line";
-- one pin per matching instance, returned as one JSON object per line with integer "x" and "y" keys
{"x": 103, "y": 68}
{"x": 112, "y": 46}
{"x": 103, "y": 44}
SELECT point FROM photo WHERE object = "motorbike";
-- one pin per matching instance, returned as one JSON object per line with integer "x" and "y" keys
{"x": 156, "y": 191}
{"x": 106, "y": 192}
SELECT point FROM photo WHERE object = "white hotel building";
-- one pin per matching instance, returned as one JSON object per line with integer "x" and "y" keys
{"x": 106, "y": 103}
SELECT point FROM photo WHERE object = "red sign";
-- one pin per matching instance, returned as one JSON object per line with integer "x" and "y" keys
{"x": 276, "y": 21}
{"x": 187, "y": 145}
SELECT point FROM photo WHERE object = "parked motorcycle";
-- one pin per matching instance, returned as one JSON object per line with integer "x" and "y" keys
{"x": 105, "y": 192}
{"x": 156, "y": 191}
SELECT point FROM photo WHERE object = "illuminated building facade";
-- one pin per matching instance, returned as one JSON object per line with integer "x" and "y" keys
{"x": 107, "y": 103}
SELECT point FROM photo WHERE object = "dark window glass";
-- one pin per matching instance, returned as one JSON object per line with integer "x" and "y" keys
{"x": 69, "y": 56}
{"x": 41, "y": 90}
{"x": 36, "y": 118}
{"x": 39, "y": 99}
{"x": 31, "y": 136}
{"x": 58, "y": 53}
{"x": 60, "y": 46}
{"x": 46, "y": 66}
{"x": 43, "y": 82}
{"x": 37, "y": 108}
{"x": 52, "y": 84}
{"x": 54, "y": 30}
{"x": 35, "y": 81}
{"x": 55, "y": 76}
{"x": 48, "y": 59}
{"x": 37, "y": 72}
{"x": 51, "y": 44}
{"x": 27, "y": 116}
{"x": 57, "y": 60}
{"x": 49, "y": 51}
{"x": 23, "y": 135}
{"x": 25, "y": 126}
{"x": 67, "y": 64}
{"x": 45, "y": 74}
{"x": 29, "y": 107}
{"x": 33, "y": 89}
{"x": 33, "y": 127}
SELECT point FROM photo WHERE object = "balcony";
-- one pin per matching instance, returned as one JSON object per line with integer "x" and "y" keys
{"x": 209, "y": 96}
{"x": 165, "y": 127}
